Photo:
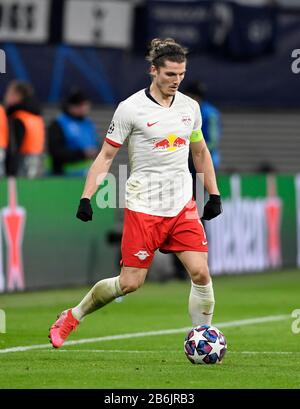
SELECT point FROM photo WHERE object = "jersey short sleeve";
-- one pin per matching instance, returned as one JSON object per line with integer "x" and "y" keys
{"x": 121, "y": 125}
{"x": 197, "y": 134}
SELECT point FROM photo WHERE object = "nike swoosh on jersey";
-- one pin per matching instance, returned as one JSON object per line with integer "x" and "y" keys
{"x": 153, "y": 123}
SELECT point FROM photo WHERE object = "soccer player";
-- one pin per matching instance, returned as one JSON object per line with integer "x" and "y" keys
{"x": 159, "y": 124}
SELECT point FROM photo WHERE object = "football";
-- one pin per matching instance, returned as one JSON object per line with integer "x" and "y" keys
{"x": 205, "y": 345}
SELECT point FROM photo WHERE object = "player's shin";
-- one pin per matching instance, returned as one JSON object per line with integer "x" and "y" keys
{"x": 201, "y": 304}
{"x": 102, "y": 293}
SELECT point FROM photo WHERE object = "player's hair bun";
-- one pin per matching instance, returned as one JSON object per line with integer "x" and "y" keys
{"x": 158, "y": 43}
{"x": 161, "y": 49}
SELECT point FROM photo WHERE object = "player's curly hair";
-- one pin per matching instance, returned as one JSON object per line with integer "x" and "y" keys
{"x": 161, "y": 50}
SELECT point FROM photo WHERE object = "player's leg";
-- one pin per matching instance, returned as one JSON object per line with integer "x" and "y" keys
{"x": 201, "y": 300}
{"x": 137, "y": 252}
{"x": 188, "y": 240}
{"x": 102, "y": 293}
{"x": 105, "y": 291}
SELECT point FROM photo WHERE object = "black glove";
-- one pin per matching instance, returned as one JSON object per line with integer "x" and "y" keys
{"x": 85, "y": 211}
{"x": 212, "y": 208}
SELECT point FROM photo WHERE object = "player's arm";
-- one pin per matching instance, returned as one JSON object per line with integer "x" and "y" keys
{"x": 95, "y": 176}
{"x": 99, "y": 169}
{"x": 204, "y": 164}
{"x": 119, "y": 129}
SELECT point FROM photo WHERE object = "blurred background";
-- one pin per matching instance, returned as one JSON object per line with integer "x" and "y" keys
{"x": 66, "y": 64}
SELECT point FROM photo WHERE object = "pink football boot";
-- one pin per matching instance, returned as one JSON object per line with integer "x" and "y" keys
{"x": 61, "y": 329}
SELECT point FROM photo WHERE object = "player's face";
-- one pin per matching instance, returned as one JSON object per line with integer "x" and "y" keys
{"x": 168, "y": 78}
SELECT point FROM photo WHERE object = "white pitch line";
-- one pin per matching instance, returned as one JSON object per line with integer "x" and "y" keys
{"x": 158, "y": 351}
{"x": 110, "y": 351}
{"x": 249, "y": 321}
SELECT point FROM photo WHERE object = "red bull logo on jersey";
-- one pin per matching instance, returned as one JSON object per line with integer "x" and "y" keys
{"x": 171, "y": 143}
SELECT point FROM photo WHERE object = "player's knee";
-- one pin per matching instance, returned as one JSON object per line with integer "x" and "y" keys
{"x": 200, "y": 274}
{"x": 131, "y": 285}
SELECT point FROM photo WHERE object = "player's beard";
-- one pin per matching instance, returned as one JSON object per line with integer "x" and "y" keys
{"x": 167, "y": 91}
{"x": 172, "y": 91}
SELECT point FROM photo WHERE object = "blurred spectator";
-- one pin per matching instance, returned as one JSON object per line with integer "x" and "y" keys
{"x": 26, "y": 131}
{"x": 3, "y": 139}
{"x": 72, "y": 138}
{"x": 211, "y": 120}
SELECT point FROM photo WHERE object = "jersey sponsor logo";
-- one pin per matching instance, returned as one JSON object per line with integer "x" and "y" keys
{"x": 151, "y": 124}
{"x": 171, "y": 143}
{"x": 186, "y": 119}
{"x": 142, "y": 254}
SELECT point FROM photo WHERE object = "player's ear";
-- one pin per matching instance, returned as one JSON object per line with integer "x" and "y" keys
{"x": 153, "y": 71}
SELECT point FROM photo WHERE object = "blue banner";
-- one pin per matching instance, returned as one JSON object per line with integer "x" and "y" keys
{"x": 187, "y": 22}
{"x": 253, "y": 31}
{"x": 236, "y": 30}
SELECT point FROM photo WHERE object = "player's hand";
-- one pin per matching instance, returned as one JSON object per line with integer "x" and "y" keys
{"x": 85, "y": 211}
{"x": 212, "y": 208}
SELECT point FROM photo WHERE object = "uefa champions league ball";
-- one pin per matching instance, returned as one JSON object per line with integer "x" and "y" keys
{"x": 205, "y": 345}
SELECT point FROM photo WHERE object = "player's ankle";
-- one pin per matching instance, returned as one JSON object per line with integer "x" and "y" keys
{"x": 77, "y": 313}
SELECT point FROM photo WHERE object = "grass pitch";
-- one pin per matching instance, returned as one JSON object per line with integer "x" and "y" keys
{"x": 260, "y": 355}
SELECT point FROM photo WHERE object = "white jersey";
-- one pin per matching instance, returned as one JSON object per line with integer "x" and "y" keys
{"x": 158, "y": 147}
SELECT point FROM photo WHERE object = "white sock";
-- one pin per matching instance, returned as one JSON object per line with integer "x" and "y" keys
{"x": 201, "y": 304}
{"x": 102, "y": 293}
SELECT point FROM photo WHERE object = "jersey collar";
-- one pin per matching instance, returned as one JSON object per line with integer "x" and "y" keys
{"x": 147, "y": 92}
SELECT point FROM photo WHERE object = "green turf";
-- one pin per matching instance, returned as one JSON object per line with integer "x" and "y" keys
{"x": 160, "y": 361}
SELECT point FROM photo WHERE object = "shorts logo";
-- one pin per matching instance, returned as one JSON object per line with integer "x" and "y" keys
{"x": 204, "y": 243}
{"x": 142, "y": 254}
{"x": 186, "y": 119}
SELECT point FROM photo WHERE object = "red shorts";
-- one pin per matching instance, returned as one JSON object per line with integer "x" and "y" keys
{"x": 143, "y": 234}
